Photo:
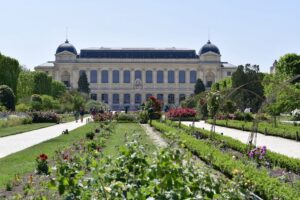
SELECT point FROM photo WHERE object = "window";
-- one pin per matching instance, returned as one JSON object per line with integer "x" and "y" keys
{"x": 116, "y": 76}
{"x": 116, "y": 99}
{"x": 148, "y": 96}
{"x": 171, "y": 99}
{"x": 149, "y": 76}
{"x": 104, "y": 76}
{"x": 104, "y": 98}
{"x": 160, "y": 76}
{"x": 138, "y": 74}
{"x": 138, "y": 99}
{"x": 126, "y": 76}
{"x": 228, "y": 73}
{"x": 209, "y": 83}
{"x": 126, "y": 98}
{"x": 171, "y": 77}
{"x": 181, "y": 76}
{"x": 160, "y": 97}
{"x": 181, "y": 97}
{"x": 81, "y": 72}
{"x": 94, "y": 97}
{"x": 193, "y": 76}
{"x": 93, "y": 76}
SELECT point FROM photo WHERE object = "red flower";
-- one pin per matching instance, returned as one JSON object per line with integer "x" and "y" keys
{"x": 43, "y": 157}
{"x": 65, "y": 156}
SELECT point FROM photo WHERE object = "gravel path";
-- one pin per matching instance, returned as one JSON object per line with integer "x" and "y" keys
{"x": 280, "y": 145}
{"x": 15, "y": 143}
{"x": 154, "y": 135}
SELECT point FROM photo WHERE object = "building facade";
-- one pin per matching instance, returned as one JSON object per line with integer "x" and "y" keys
{"x": 128, "y": 76}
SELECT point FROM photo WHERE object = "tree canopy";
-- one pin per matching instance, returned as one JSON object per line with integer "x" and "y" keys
{"x": 288, "y": 66}
{"x": 83, "y": 85}
{"x": 42, "y": 83}
{"x": 199, "y": 86}
{"x": 7, "y": 97}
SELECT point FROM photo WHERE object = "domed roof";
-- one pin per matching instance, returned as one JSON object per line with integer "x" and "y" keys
{"x": 209, "y": 47}
{"x": 66, "y": 47}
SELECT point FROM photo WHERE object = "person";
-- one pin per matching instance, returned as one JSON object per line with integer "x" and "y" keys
{"x": 76, "y": 115}
{"x": 81, "y": 112}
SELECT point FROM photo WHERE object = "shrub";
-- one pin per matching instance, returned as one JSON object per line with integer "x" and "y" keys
{"x": 41, "y": 117}
{"x": 243, "y": 116}
{"x": 2, "y": 108}
{"x": 99, "y": 117}
{"x": 126, "y": 117}
{"x": 181, "y": 113}
{"x": 22, "y": 107}
{"x": 143, "y": 117}
{"x": 36, "y": 102}
{"x": 7, "y": 97}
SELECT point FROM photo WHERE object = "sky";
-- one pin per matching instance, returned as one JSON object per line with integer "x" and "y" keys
{"x": 246, "y": 31}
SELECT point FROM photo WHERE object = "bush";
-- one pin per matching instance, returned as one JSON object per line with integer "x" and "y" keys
{"x": 7, "y": 97}
{"x": 41, "y": 117}
{"x": 36, "y": 102}
{"x": 100, "y": 117}
{"x": 143, "y": 117}
{"x": 243, "y": 116}
{"x": 126, "y": 117}
{"x": 14, "y": 120}
{"x": 2, "y": 108}
{"x": 181, "y": 113}
{"x": 22, "y": 107}
{"x": 96, "y": 104}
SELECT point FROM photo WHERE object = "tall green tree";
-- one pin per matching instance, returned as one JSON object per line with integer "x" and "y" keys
{"x": 249, "y": 81}
{"x": 9, "y": 72}
{"x": 57, "y": 89}
{"x": 83, "y": 85}
{"x": 7, "y": 97}
{"x": 199, "y": 86}
{"x": 42, "y": 83}
{"x": 288, "y": 66}
{"x": 25, "y": 84}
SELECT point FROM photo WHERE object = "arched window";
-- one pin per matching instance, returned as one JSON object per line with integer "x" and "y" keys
{"x": 65, "y": 78}
{"x": 116, "y": 99}
{"x": 171, "y": 77}
{"x": 148, "y": 96}
{"x": 116, "y": 76}
{"x": 181, "y": 97}
{"x": 104, "y": 98}
{"x": 160, "y": 97}
{"x": 193, "y": 76}
{"x": 160, "y": 76}
{"x": 138, "y": 99}
{"x": 93, "y": 76}
{"x": 81, "y": 72}
{"x": 181, "y": 76}
{"x": 138, "y": 74}
{"x": 126, "y": 76}
{"x": 104, "y": 76}
{"x": 126, "y": 98}
{"x": 149, "y": 78}
{"x": 171, "y": 99}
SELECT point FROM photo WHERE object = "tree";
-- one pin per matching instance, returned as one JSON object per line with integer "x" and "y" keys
{"x": 36, "y": 102}
{"x": 25, "y": 84}
{"x": 9, "y": 72}
{"x": 7, "y": 97}
{"x": 57, "y": 89}
{"x": 83, "y": 85}
{"x": 249, "y": 81}
{"x": 288, "y": 66}
{"x": 199, "y": 86}
{"x": 42, "y": 83}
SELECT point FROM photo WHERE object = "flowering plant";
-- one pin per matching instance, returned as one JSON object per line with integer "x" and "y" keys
{"x": 42, "y": 164}
{"x": 258, "y": 153}
{"x": 181, "y": 112}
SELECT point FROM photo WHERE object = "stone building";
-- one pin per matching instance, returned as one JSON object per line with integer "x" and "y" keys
{"x": 128, "y": 76}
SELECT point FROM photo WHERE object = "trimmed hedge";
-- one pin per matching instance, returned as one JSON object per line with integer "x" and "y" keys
{"x": 283, "y": 130}
{"x": 264, "y": 186}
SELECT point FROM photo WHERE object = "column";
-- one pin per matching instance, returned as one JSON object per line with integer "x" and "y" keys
{"x": 99, "y": 76}
{"x": 88, "y": 74}
{"x": 121, "y": 71}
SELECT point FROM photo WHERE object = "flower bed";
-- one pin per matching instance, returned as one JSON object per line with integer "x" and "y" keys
{"x": 262, "y": 184}
{"x": 181, "y": 114}
{"x": 42, "y": 117}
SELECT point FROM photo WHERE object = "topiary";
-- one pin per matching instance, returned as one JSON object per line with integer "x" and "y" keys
{"x": 7, "y": 97}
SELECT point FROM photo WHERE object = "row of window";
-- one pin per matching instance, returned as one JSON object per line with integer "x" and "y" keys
{"x": 138, "y": 75}
{"x": 137, "y": 98}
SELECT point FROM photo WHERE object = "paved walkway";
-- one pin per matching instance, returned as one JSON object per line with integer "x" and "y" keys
{"x": 276, "y": 144}
{"x": 15, "y": 143}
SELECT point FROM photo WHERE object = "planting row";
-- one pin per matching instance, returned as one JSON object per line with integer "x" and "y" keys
{"x": 250, "y": 177}
{"x": 282, "y": 130}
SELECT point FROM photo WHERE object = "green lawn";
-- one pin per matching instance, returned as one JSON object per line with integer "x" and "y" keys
{"x": 133, "y": 131}
{"x": 22, "y": 128}
{"x": 24, "y": 161}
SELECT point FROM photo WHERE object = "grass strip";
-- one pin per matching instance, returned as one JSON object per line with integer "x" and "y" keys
{"x": 13, "y": 130}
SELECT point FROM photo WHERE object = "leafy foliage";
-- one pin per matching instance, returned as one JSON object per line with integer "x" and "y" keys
{"x": 57, "y": 89}
{"x": 25, "y": 84}
{"x": 288, "y": 66}
{"x": 83, "y": 85}
{"x": 199, "y": 86}
{"x": 42, "y": 83}
{"x": 7, "y": 97}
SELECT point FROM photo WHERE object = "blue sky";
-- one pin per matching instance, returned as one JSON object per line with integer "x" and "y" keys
{"x": 246, "y": 31}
